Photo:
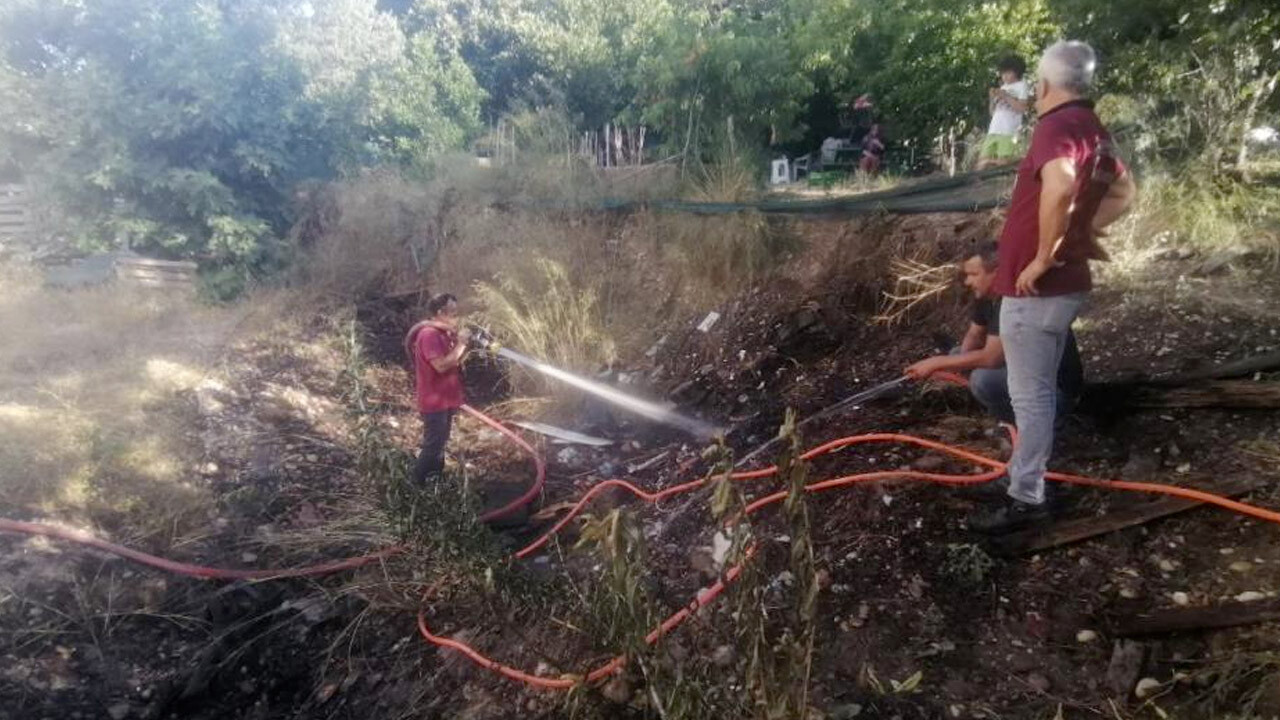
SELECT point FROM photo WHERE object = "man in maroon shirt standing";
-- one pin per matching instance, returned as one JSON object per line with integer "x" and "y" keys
{"x": 1070, "y": 186}
{"x": 438, "y": 348}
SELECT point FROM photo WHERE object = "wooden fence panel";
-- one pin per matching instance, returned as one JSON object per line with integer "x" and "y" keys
{"x": 15, "y": 218}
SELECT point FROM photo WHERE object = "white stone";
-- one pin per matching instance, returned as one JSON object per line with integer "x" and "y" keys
{"x": 720, "y": 546}
{"x": 1086, "y": 636}
{"x": 1146, "y": 688}
{"x": 1180, "y": 598}
{"x": 1250, "y": 596}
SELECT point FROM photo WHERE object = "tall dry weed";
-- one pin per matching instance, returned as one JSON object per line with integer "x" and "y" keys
{"x": 717, "y": 255}
{"x": 549, "y": 317}
{"x": 375, "y": 233}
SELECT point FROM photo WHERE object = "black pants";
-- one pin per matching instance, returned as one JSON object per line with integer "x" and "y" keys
{"x": 435, "y": 435}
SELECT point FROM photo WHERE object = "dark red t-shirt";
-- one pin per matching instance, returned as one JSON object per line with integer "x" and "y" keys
{"x": 436, "y": 390}
{"x": 1071, "y": 130}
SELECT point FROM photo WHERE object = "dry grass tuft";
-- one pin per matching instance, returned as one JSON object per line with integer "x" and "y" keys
{"x": 377, "y": 232}
{"x": 1199, "y": 214}
{"x": 716, "y": 256}
{"x": 546, "y": 315}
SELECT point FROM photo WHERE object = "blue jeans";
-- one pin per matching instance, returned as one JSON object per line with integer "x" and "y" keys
{"x": 1033, "y": 331}
{"x": 436, "y": 427}
{"x": 990, "y": 387}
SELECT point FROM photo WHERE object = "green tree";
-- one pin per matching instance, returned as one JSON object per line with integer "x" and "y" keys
{"x": 732, "y": 69}
{"x": 185, "y": 127}
{"x": 927, "y": 63}
{"x": 1192, "y": 78}
{"x": 499, "y": 42}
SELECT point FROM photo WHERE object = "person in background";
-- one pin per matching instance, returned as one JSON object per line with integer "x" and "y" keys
{"x": 1008, "y": 103}
{"x": 872, "y": 151}
{"x": 437, "y": 347}
{"x": 1070, "y": 187}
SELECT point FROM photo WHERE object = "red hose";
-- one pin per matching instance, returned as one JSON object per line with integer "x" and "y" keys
{"x": 706, "y": 595}
{"x": 539, "y": 467}
{"x": 709, "y": 594}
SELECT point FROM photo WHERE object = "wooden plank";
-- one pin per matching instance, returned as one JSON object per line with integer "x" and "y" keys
{"x": 153, "y": 272}
{"x": 1236, "y": 368}
{"x": 152, "y": 263}
{"x": 1105, "y": 398}
{"x": 159, "y": 281}
{"x": 1173, "y": 620}
{"x": 1242, "y": 394}
{"x": 157, "y": 278}
{"x": 1071, "y": 531}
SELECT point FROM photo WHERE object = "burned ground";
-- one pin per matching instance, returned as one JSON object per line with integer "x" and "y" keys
{"x": 904, "y": 588}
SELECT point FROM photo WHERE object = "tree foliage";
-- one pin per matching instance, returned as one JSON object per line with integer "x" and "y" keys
{"x": 927, "y": 63}
{"x": 1190, "y": 79}
{"x": 188, "y": 126}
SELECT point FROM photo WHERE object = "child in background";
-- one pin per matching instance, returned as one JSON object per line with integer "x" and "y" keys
{"x": 1009, "y": 103}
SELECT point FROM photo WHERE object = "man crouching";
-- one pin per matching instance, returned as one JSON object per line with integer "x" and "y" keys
{"x": 981, "y": 354}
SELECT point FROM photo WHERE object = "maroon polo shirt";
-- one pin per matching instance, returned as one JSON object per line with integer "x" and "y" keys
{"x": 1071, "y": 130}
{"x": 436, "y": 390}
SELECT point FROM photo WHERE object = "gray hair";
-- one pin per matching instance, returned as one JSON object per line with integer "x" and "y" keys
{"x": 1069, "y": 65}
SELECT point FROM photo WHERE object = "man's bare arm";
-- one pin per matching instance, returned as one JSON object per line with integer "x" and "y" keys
{"x": 990, "y": 355}
{"x": 974, "y": 338}
{"x": 1116, "y": 202}
{"x": 1057, "y": 191}
{"x": 454, "y": 357}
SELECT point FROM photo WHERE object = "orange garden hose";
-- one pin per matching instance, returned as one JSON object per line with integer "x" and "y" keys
{"x": 704, "y": 597}
{"x": 539, "y": 467}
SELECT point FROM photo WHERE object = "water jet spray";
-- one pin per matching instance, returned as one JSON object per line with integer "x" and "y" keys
{"x": 482, "y": 339}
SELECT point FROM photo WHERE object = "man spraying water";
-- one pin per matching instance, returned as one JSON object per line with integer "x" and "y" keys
{"x": 437, "y": 347}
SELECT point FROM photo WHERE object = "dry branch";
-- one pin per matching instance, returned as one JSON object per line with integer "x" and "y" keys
{"x": 914, "y": 283}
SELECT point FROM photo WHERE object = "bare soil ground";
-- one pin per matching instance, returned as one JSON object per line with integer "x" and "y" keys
{"x": 905, "y": 588}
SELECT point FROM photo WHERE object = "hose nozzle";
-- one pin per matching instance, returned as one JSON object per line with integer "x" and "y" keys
{"x": 482, "y": 339}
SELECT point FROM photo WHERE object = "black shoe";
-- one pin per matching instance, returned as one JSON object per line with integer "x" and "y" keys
{"x": 995, "y": 491}
{"x": 1014, "y": 515}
